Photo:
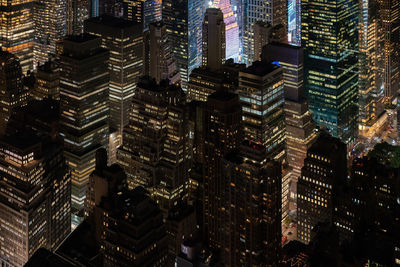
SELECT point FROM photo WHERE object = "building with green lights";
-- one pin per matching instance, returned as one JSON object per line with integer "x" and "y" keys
{"x": 330, "y": 41}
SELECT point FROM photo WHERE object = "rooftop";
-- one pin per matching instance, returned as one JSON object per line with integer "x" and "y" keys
{"x": 260, "y": 68}
{"x": 114, "y": 22}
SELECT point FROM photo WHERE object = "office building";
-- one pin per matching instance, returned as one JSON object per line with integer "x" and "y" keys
{"x": 144, "y": 11}
{"x": 17, "y": 31}
{"x": 251, "y": 214}
{"x": 261, "y": 92}
{"x": 77, "y": 12}
{"x": 128, "y": 224}
{"x": 300, "y": 128}
{"x": 183, "y": 19}
{"x": 390, "y": 19}
{"x": 213, "y": 39}
{"x": 158, "y": 59}
{"x": 331, "y": 65}
{"x": 47, "y": 81}
{"x": 124, "y": 40}
{"x": 50, "y": 26}
{"x": 274, "y": 13}
{"x": 371, "y": 73}
{"x": 220, "y": 132}
{"x": 157, "y": 151}
{"x": 35, "y": 200}
{"x": 12, "y": 93}
{"x": 84, "y": 107}
{"x": 231, "y": 28}
{"x": 324, "y": 171}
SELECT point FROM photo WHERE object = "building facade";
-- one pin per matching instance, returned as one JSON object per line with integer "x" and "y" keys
{"x": 214, "y": 39}
{"x": 331, "y": 65}
{"x": 12, "y": 93}
{"x": 50, "y": 26}
{"x": 158, "y": 59}
{"x": 183, "y": 19}
{"x": 17, "y": 31}
{"x": 324, "y": 171}
{"x": 220, "y": 133}
{"x": 300, "y": 128}
{"x": 231, "y": 28}
{"x": 84, "y": 108}
{"x": 261, "y": 92}
{"x": 156, "y": 150}
{"x": 124, "y": 40}
{"x": 251, "y": 217}
{"x": 274, "y": 13}
{"x": 35, "y": 200}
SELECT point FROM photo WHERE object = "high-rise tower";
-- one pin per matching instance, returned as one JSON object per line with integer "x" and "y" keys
{"x": 17, "y": 30}
{"x": 50, "y": 26}
{"x": 262, "y": 98}
{"x": 274, "y": 13}
{"x": 251, "y": 209}
{"x": 124, "y": 39}
{"x": 156, "y": 150}
{"x": 35, "y": 197}
{"x": 84, "y": 108}
{"x": 220, "y": 133}
{"x": 158, "y": 59}
{"x": 300, "y": 128}
{"x": 330, "y": 41}
{"x": 12, "y": 92}
{"x": 183, "y": 19}
{"x": 325, "y": 169}
{"x": 231, "y": 28}
{"x": 144, "y": 11}
{"x": 77, "y": 12}
{"x": 213, "y": 39}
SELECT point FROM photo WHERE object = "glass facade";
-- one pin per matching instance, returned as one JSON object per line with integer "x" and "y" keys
{"x": 330, "y": 40}
{"x": 184, "y": 19}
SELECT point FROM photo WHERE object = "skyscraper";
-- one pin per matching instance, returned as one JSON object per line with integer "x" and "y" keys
{"x": 158, "y": 59}
{"x": 12, "y": 92}
{"x": 300, "y": 128}
{"x": 371, "y": 74}
{"x": 77, "y": 12}
{"x": 325, "y": 169}
{"x": 50, "y": 26}
{"x": 47, "y": 84}
{"x": 251, "y": 213}
{"x": 17, "y": 30}
{"x": 331, "y": 65}
{"x": 183, "y": 19}
{"x": 84, "y": 108}
{"x": 261, "y": 91}
{"x": 127, "y": 223}
{"x": 274, "y": 13}
{"x": 35, "y": 196}
{"x": 144, "y": 11}
{"x": 156, "y": 150}
{"x": 124, "y": 39}
{"x": 213, "y": 39}
{"x": 220, "y": 133}
{"x": 389, "y": 12}
{"x": 231, "y": 28}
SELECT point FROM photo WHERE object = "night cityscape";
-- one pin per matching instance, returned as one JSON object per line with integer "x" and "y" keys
{"x": 199, "y": 133}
